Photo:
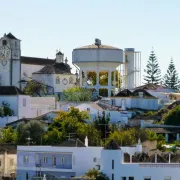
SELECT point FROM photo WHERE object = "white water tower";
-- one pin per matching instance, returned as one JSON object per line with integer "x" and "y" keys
{"x": 97, "y": 58}
{"x": 103, "y": 58}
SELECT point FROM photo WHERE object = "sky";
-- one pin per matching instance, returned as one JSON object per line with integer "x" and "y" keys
{"x": 45, "y": 26}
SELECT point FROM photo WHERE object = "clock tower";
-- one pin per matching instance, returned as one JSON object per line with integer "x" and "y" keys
{"x": 10, "y": 64}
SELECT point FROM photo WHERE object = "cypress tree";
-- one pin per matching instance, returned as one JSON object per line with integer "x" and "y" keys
{"x": 171, "y": 79}
{"x": 152, "y": 69}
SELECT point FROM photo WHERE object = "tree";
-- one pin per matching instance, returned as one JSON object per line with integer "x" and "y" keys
{"x": 52, "y": 137}
{"x": 8, "y": 135}
{"x": 130, "y": 136}
{"x": 76, "y": 94}
{"x": 35, "y": 88}
{"x": 153, "y": 71}
{"x": 92, "y": 173}
{"x": 102, "y": 176}
{"x": 33, "y": 130}
{"x": 95, "y": 174}
{"x": 171, "y": 79}
{"x": 72, "y": 122}
{"x": 101, "y": 123}
{"x": 172, "y": 117}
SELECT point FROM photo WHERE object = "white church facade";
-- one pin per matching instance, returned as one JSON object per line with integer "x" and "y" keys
{"x": 15, "y": 68}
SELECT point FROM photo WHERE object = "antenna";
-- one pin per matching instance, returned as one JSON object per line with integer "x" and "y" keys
{"x": 97, "y": 42}
{"x": 70, "y": 135}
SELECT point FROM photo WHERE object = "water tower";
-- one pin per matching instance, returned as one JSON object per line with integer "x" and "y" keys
{"x": 100, "y": 58}
{"x": 97, "y": 58}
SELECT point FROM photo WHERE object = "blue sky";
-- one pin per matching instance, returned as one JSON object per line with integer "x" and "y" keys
{"x": 44, "y": 26}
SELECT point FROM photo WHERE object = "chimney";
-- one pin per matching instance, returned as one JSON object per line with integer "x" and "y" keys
{"x": 155, "y": 157}
{"x": 66, "y": 60}
{"x": 86, "y": 141}
{"x": 169, "y": 157}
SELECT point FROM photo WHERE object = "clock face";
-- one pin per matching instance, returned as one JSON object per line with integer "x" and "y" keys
{"x": 65, "y": 81}
{"x": 4, "y": 52}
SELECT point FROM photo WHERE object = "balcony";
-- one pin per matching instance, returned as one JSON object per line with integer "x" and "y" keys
{"x": 65, "y": 166}
{"x": 160, "y": 165}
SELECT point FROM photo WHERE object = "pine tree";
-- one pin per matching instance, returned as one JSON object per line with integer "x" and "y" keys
{"x": 153, "y": 71}
{"x": 171, "y": 79}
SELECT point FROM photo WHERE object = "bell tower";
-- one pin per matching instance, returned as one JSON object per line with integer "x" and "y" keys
{"x": 59, "y": 57}
{"x": 10, "y": 65}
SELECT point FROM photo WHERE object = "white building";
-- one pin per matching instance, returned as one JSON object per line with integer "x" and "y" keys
{"x": 23, "y": 106}
{"x": 113, "y": 165}
{"x": 70, "y": 159}
{"x": 102, "y": 58}
{"x": 15, "y": 69}
{"x": 8, "y": 161}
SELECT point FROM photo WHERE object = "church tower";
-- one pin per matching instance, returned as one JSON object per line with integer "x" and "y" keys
{"x": 10, "y": 65}
{"x": 59, "y": 57}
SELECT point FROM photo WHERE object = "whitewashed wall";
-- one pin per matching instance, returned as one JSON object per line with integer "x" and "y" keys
{"x": 80, "y": 165}
{"x": 156, "y": 171}
{"x": 16, "y": 73}
{"x": 5, "y": 120}
{"x": 42, "y": 101}
{"x": 28, "y": 69}
{"x": 47, "y": 79}
{"x": 143, "y": 103}
{"x": 23, "y": 107}
{"x": 50, "y": 79}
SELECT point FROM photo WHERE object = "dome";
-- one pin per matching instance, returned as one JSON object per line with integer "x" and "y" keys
{"x": 93, "y": 46}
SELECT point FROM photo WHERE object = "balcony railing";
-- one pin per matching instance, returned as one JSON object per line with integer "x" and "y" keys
{"x": 160, "y": 165}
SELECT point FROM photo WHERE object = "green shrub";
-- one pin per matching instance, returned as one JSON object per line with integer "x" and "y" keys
{"x": 172, "y": 117}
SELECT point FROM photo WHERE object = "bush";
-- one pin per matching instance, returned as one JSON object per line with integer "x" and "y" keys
{"x": 151, "y": 113}
{"x": 172, "y": 117}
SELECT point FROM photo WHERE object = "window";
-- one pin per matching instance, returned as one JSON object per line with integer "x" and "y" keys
{"x": 24, "y": 102}
{"x": 62, "y": 160}
{"x": 54, "y": 161}
{"x": 112, "y": 164}
{"x": 57, "y": 80}
{"x": 15, "y": 44}
{"x": 126, "y": 58}
{"x": 131, "y": 178}
{"x": 95, "y": 159}
{"x": 45, "y": 160}
{"x": 70, "y": 80}
{"x": 147, "y": 178}
{"x": 26, "y": 159}
{"x": 11, "y": 162}
{"x": 4, "y": 43}
{"x": 167, "y": 178}
{"x": 123, "y": 178}
{"x": 112, "y": 176}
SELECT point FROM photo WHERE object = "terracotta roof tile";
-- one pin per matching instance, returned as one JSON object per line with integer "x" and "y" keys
{"x": 36, "y": 61}
{"x": 58, "y": 68}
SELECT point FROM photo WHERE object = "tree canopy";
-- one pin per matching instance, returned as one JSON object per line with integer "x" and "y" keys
{"x": 8, "y": 135}
{"x": 172, "y": 117}
{"x": 35, "y": 88}
{"x": 77, "y": 94}
{"x": 153, "y": 72}
{"x": 171, "y": 79}
{"x": 33, "y": 130}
